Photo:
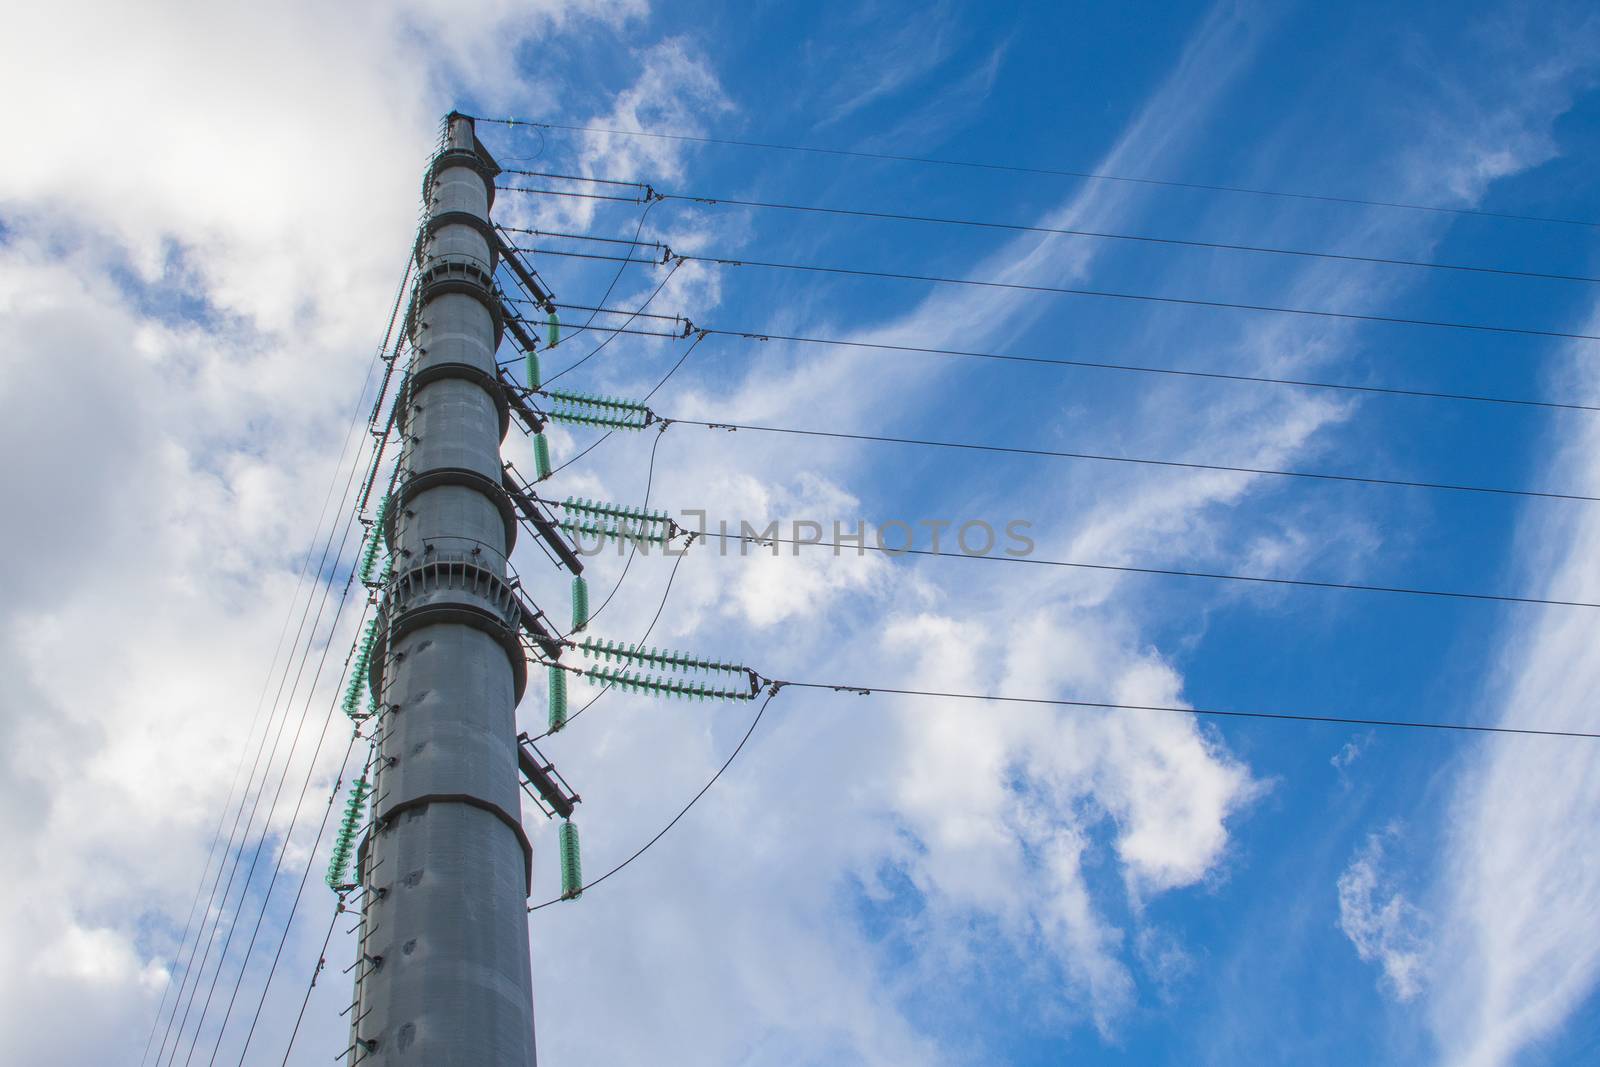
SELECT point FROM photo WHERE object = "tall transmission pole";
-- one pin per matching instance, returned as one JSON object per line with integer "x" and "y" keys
{"x": 444, "y": 976}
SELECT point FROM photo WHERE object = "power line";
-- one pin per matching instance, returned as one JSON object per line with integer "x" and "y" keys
{"x": 232, "y": 923}
{"x": 599, "y": 347}
{"x": 1145, "y": 461}
{"x": 563, "y": 192}
{"x": 355, "y": 419}
{"x": 1308, "y": 583}
{"x": 244, "y": 749}
{"x": 1202, "y": 712}
{"x": 597, "y": 442}
{"x": 1132, "y": 368}
{"x": 315, "y": 971}
{"x": 672, "y": 576}
{"x": 1108, "y": 294}
{"x": 272, "y": 881}
{"x": 615, "y": 277}
{"x": 653, "y": 195}
{"x": 356, "y": 460}
{"x": 216, "y": 918}
{"x": 774, "y": 687}
{"x": 633, "y": 550}
{"x": 294, "y": 907}
{"x": 373, "y": 464}
{"x": 1043, "y": 171}
{"x": 1453, "y": 487}
{"x": 288, "y": 834}
{"x": 762, "y": 710}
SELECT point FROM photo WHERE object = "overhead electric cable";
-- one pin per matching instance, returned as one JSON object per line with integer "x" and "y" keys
{"x": 505, "y": 231}
{"x": 656, "y": 196}
{"x": 244, "y": 750}
{"x": 633, "y": 242}
{"x": 633, "y": 549}
{"x": 1145, "y": 461}
{"x": 778, "y": 686}
{"x": 1203, "y": 712}
{"x": 294, "y": 907}
{"x": 377, "y": 358}
{"x": 1162, "y": 571}
{"x": 1131, "y": 368}
{"x": 232, "y": 922}
{"x": 288, "y": 833}
{"x": 616, "y": 277}
{"x": 762, "y": 710}
{"x": 563, "y": 192}
{"x": 213, "y": 909}
{"x": 376, "y": 455}
{"x": 322, "y": 957}
{"x": 1108, "y": 294}
{"x": 333, "y": 481}
{"x": 597, "y": 442}
{"x": 1043, "y": 171}
{"x": 649, "y": 482}
{"x": 601, "y": 346}
{"x": 666, "y": 592}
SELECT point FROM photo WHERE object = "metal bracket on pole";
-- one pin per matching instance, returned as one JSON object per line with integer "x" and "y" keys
{"x": 525, "y": 276}
{"x": 543, "y": 525}
{"x": 555, "y": 795}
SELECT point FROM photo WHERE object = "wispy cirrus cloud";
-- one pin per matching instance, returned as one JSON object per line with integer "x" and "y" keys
{"x": 904, "y": 52}
{"x": 971, "y": 832}
{"x": 1382, "y": 924}
{"x": 1519, "y": 870}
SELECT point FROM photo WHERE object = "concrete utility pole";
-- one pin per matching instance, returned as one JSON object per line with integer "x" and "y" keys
{"x": 444, "y": 976}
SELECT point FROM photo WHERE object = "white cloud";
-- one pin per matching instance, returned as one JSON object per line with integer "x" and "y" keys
{"x": 1164, "y": 958}
{"x": 1349, "y": 752}
{"x": 1520, "y": 870}
{"x": 675, "y": 91}
{"x": 991, "y": 814}
{"x": 99, "y": 956}
{"x": 1513, "y": 886}
{"x": 905, "y": 52}
{"x": 1008, "y": 801}
{"x": 1380, "y": 922}
{"x": 179, "y": 457}
{"x": 200, "y": 244}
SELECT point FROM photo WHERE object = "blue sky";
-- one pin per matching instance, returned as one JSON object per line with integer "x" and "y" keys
{"x": 876, "y": 879}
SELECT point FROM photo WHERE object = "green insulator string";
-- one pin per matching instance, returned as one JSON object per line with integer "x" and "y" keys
{"x": 599, "y": 648}
{"x": 650, "y": 685}
{"x": 571, "y": 862}
{"x": 580, "y": 602}
{"x": 369, "y": 555}
{"x": 620, "y": 532}
{"x": 530, "y": 363}
{"x": 595, "y": 400}
{"x": 591, "y": 409}
{"x": 610, "y": 422}
{"x": 541, "y": 456}
{"x": 344, "y": 841}
{"x": 618, "y": 511}
{"x": 358, "y": 669}
{"x": 553, "y": 334}
{"x": 616, "y": 521}
{"x": 558, "y": 698}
